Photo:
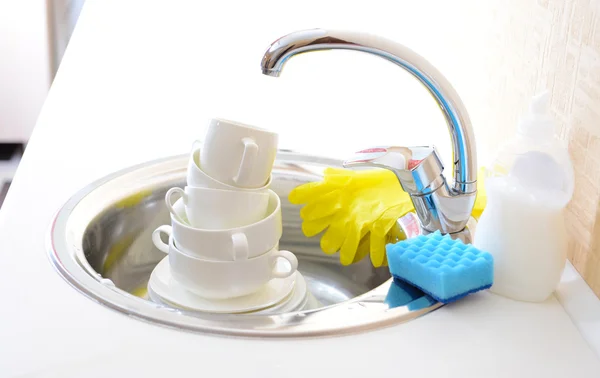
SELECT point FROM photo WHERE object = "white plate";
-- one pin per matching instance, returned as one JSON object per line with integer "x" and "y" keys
{"x": 168, "y": 289}
{"x": 294, "y": 302}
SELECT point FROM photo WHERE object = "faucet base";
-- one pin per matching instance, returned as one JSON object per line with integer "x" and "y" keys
{"x": 411, "y": 227}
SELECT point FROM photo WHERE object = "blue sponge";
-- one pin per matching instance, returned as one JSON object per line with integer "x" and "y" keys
{"x": 405, "y": 294}
{"x": 444, "y": 268}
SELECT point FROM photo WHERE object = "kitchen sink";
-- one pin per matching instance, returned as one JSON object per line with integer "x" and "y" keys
{"x": 100, "y": 242}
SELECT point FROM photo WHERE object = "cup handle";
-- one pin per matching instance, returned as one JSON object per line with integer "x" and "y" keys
{"x": 157, "y": 240}
{"x": 169, "y": 197}
{"x": 290, "y": 257}
{"x": 248, "y": 160}
{"x": 240, "y": 246}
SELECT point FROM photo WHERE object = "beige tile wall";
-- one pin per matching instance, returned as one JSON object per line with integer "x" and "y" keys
{"x": 555, "y": 45}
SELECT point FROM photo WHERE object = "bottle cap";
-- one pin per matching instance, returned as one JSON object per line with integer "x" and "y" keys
{"x": 537, "y": 123}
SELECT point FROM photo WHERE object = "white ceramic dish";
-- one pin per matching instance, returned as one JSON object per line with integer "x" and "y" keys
{"x": 214, "y": 209}
{"x": 170, "y": 290}
{"x": 229, "y": 279}
{"x": 196, "y": 177}
{"x": 238, "y": 154}
{"x": 296, "y": 301}
{"x": 227, "y": 244}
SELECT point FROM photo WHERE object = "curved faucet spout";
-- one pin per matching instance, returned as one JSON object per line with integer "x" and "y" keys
{"x": 463, "y": 141}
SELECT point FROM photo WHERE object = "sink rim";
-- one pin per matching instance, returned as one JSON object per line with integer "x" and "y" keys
{"x": 365, "y": 312}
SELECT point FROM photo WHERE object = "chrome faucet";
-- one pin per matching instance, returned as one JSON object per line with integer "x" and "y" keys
{"x": 438, "y": 205}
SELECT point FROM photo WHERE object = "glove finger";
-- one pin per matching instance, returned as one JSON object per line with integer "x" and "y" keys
{"x": 380, "y": 233}
{"x": 403, "y": 203}
{"x": 337, "y": 180}
{"x": 329, "y": 171}
{"x": 363, "y": 249}
{"x": 334, "y": 237}
{"x": 377, "y": 246}
{"x": 389, "y": 218}
{"x": 314, "y": 227}
{"x": 377, "y": 176}
{"x": 350, "y": 245}
{"x": 395, "y": 234}
{"x": 305, "y": 192}
{"x": 324, "y": 206}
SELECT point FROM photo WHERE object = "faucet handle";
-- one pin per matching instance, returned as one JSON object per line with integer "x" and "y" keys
{"x": 419, "y": 169}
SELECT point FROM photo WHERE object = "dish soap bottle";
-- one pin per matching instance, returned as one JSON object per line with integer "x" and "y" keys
{"x": 528, "y": 186}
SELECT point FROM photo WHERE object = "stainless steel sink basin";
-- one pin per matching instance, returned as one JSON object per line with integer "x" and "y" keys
{"x": 100, "y": 242}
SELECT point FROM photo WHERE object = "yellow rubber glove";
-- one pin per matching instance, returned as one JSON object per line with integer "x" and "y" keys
{"x": 348, "y": 203}
{"x": 365, "y": 247}
{"x": 386, "y": 230}
{"x": 481, "y": 199}
{"x": 359, "y": 210}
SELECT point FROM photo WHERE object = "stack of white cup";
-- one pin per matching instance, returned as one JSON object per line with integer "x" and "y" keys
{"x": 226, "y": 225}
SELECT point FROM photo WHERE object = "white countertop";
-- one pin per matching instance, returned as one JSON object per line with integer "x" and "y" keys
{"x": 139, "y": 82}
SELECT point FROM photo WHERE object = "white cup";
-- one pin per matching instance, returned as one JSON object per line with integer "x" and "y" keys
{"x": 224, "y": 245}
{"x": 214, "y": 209}
{"x": 228, "y": 279}
{"x": 196, "y": 177}
{"x": 237, "y": 154}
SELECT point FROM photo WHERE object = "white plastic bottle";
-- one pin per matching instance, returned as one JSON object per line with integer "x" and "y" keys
{"x": 522, "y": 226}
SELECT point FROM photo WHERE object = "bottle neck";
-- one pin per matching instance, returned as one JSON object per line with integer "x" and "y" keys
{"x": 539, "y": 129}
